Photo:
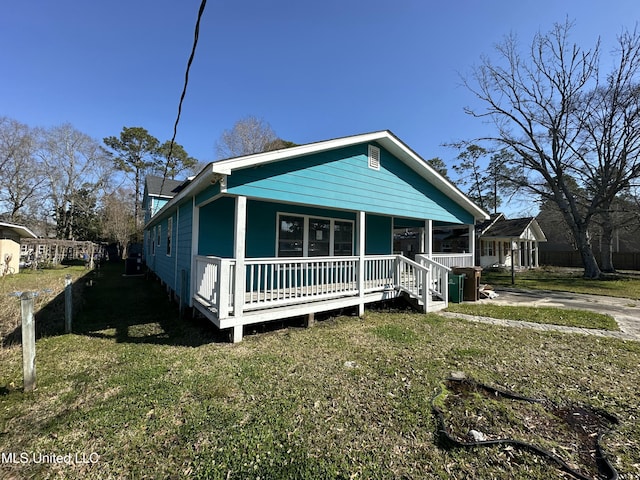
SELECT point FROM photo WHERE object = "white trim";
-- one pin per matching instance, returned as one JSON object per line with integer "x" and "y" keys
{"x": 373, "y": 158}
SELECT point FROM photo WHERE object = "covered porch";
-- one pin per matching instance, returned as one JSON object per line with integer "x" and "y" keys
{"x": 239, "y": 289}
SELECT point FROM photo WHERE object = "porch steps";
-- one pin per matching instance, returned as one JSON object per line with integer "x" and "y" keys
{"x": 434, "y": 306}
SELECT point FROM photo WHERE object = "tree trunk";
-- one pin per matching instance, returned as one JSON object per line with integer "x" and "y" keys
{"x": 606, "y": 246}
{"x": 591, "y": 268}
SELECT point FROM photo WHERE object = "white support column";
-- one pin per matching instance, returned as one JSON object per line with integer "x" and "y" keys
{"x": 472, "y": 243}
{"x": 239, "y": 242}
{"x": 195, "y": 234}
{"x": 361, "y": 259}
{"x": 536, "y": 246}
{"x": 427, "y": 247}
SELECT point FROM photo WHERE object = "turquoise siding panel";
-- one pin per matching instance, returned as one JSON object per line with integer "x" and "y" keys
{"x": 217, "y": 222}
{"x": 407, "y": 223}
{"x": 163, "y": 264}
{"x": 379, "y": 235}
{"x": 208, "y": 193}
{"x": 262, "y": 218}
{"x": 183, "y": 247}
{"x": 342, "y": 179}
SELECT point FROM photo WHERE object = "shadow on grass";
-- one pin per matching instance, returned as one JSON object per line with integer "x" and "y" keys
{"x": 135, "y": 309}
{"x": 49, "y": 318}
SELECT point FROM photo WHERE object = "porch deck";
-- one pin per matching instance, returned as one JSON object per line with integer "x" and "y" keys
{"x": 264, "y": 289}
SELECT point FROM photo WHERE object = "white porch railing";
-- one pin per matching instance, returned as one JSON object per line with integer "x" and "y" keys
{"x": 273, "y": 282}
{"x": 276, "y": 282}
{"x": 452, "y": 259}
{"x": 438, "y": 276}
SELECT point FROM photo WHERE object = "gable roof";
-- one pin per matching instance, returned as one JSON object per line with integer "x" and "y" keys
{"x": 384, "y": 138}
{"x": 157, "y": 188}
{"x": 514, "y": 228}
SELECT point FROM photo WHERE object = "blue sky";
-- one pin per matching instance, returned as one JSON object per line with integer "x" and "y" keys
{"x": 313, "y": 70}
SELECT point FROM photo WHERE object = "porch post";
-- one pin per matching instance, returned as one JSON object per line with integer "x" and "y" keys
{"x": 536, "y": 245}
{"x": 427, "y": 247}
{"x": 195, "y": 234}
{"x": 361, "y": 259}
{"x": 239, "y": 241}
{"x": 472, "y": 244}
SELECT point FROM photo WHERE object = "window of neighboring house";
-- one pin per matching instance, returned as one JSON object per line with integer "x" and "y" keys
{"x": 169, "y": 232}
{"x": 159, "y": 236}
{"x": 488, "y": 248}
{"x": 305, "y": 236}
{"x": 152, "y": 241}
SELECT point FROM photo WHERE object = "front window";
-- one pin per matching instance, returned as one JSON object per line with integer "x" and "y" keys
{"x": 319, "y": 237}
{"x": 304, "y": 236}
{"x": 342, "y": 238}
{"x": 291, "y": 236}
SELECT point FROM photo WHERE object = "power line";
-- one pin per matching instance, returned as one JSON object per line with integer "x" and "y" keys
{"x": 196, "y": 34}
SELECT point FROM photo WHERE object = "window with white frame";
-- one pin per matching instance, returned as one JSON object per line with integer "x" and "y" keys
{"x": 488, "y": 247}
{"x": 169, "y": 231}
{"x": 310, "y": 236}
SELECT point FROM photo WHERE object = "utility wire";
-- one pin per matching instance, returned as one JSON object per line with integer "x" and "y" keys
{"x": 196, "y": 34}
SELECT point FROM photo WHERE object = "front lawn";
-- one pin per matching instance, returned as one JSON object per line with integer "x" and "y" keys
{"x": 547, "y": 315}
{"x": 624, "y": 285}
{"x": 139, "y": 394}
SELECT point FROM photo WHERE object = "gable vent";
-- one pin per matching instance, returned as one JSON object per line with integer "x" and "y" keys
{"x": 374, "y": 157}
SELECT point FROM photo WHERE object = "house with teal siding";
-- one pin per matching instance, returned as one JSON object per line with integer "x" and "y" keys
{"x": 307, "y": 229}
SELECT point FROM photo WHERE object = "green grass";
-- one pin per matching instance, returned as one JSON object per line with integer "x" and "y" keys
{"x": 156, "y": 397}
{"x": 546, "y": 315}
{"x": 568, "y": 280}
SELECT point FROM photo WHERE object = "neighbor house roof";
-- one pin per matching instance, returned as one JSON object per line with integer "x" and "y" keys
{"x": 162, "y": 187}
{"x": 384, "y": 138}
{"x": 514, "y": 228}
{"x": 20, "y": 230}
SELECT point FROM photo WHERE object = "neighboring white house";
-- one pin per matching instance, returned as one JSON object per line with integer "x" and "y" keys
{"x": 502, "y": 240}
{"x": 10, "y": 235}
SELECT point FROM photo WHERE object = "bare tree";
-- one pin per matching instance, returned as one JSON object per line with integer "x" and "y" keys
{"x": 20, "y": 173}
{"x": 542, "y": 106}
{"x": 118, "y": 223}
{"x": 74, "y": 162}
{"x": 248, "y": 135}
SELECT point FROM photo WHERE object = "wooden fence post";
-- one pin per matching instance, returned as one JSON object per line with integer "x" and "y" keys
{"x": 68, "y": 303}
{"x": 28, "y": 342}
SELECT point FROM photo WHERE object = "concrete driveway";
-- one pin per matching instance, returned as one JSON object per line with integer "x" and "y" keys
{"x": 625, "y": 311}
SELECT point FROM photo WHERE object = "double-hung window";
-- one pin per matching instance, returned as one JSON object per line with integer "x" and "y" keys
{"x": 307, "y": 236}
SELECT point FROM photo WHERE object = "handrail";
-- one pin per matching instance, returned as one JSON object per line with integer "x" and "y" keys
{"x": 274, "y": 282}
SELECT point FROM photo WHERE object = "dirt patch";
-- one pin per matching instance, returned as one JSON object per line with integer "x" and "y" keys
{"x": 472, "y": 415}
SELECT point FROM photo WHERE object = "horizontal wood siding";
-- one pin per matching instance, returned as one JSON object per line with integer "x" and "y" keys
{"x": 164, "y": 265}
{"x": 379, "y": 235}
{"x": 183, "y": 247}
{"x": 208, "y": 193}
{"x": 216, "y": 228}
{"x": 342, "y": 179}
